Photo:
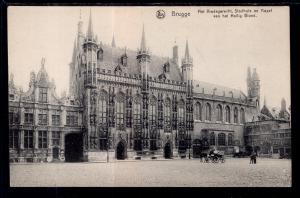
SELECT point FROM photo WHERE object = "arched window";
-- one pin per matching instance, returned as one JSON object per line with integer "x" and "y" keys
{"x": 198, "y": 110}
{"x": 153, "y": 140}
{"x": 181, "y": 112}
{"x": 242, "y": 114}
{"x": 221, "y": 139}
{"x": 230, "y": 139}
{"x": 102, "y": 104}
{"x": 212, "y": 138}
{"x": 235, "y": 115}
{"x": 219, "y": 113}
{"x": 227, "y": 114}
{"x": 120, "y": 111}
{"x": 152, "y": 111}
{"x": 208, "y": 112}
{"x": 167, "y": 112}
{"x": 137, "y": 113}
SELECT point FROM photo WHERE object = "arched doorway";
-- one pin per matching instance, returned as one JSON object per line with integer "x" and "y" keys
{"x": 167, "y": 151}
{"x": 197, "y": 146}
{"x": 55, "y": 153}
{"x": 74, "y": 147}
{"x": 121, "y": 151}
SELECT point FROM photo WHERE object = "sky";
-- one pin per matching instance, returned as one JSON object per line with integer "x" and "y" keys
{"x": 222, "y": 48}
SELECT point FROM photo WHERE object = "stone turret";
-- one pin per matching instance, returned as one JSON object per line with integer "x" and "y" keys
{"x": 143, "y": 55}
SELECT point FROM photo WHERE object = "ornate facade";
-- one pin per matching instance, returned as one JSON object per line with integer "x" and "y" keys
{"x": 270, "y": 132}
{"x": 126, "y": 104}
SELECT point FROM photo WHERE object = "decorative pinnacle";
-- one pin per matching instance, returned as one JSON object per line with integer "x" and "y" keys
{"x": 90, "y": 33}
{"x": 187, "y": 54}
{"x": 113, "y": 43}
{"x": 143, "y": 41}
{"x": 43, "y": 63}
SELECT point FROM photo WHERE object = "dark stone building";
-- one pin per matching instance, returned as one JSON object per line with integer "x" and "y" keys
{"x": 123, "y": 104}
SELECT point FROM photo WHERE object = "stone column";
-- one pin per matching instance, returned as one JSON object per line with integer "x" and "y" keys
{"x": 35, "y": 115}
{"x": 21, "y": 144}
{"x": 62, "y": 146}
{"x": 21, "y": 139}
{"x": 63, "y": 116}
{"x": 36, "y": 145}
{"x": 49, "y": 116}
{"x": 36, "y": 139}
{"x": 49, "y": 146}
{"x": 22, "y": 114}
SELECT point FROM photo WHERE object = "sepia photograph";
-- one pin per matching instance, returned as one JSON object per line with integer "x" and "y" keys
{"x": 153, "y": 96}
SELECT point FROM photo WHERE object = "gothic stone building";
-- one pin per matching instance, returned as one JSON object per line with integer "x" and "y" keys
{"x": 270, "y": 133}
{"x": 123, "y": 104}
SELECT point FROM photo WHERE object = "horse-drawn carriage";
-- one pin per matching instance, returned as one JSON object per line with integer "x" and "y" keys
{"x": 213, "y": 156}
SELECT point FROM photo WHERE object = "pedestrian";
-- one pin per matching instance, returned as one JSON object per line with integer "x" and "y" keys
{"x": 252, "y": 158}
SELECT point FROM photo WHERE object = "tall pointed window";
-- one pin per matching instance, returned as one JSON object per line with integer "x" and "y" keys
{"x": 242, "y": 114}
{"x": 160, "y": 111}
{"x": 152, "y": 111}
{"x": 219, "y": 113}
{"x": 198, "y": 110}
{"x": 181, "y": 113}
{"x": 227, "y": 114}
{"x": 128, "y": 109}
{"x": 102, "y": 104}
{"x": 167, "y": 112}
{"x": 235, "y": 115}
{"x": 137, "y": 112}
{"x": 208, "y": 112}
{"x": 120, "y": 113}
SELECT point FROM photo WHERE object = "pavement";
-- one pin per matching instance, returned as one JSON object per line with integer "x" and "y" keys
{"x": 235, "y": 172}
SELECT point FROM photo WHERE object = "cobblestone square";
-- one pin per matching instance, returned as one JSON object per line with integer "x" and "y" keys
{"x": 173, "y": 173}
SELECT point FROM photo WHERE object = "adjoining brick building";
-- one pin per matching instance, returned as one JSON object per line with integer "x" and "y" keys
{"x": 124, "y": 103}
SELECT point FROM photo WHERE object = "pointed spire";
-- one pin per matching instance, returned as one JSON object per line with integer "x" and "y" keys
{"x": 265, "y": 101}
{"x": 283, "y": 104}
{"x": 113, "y": 43}
{"x": 80, "y": 23}
{"x": 90, "y": 33}
{"x": 143, "y": 41}
{"x": 187, "y": 54}
{"x": 249, "y": 73}
{"x": 43, "y": 63}
{"x": 74, "y": 50}
{"x": 255, "y": 75}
